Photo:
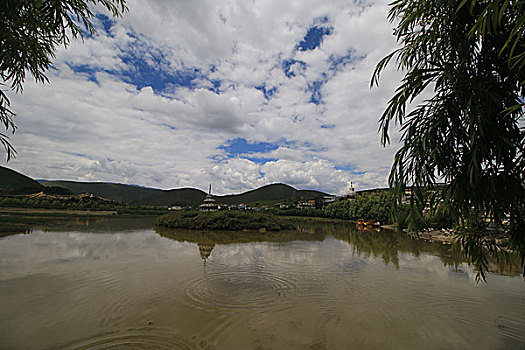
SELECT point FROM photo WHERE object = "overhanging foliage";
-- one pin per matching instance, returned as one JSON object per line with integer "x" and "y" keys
{"x": 31, "y": 32}
{"x": 469, "y": 58}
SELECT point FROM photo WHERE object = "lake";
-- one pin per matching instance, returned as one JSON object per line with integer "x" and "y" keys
{"x": 107, "y": 283}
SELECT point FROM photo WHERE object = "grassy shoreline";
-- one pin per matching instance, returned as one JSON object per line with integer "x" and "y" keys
{"x": 81, "y": 212}
{"x": 55, "y": 212}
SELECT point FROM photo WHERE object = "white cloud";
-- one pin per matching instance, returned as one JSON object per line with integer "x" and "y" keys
{"x": 103, "y": 127}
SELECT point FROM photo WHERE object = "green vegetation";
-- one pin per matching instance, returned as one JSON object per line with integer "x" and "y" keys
{"x": 74, "y": 204}
{"x": 12, "y": 182}
{"x": 223, "y": 220}
{"x": 469, "y": 58}
{"x": 305, "y": 213}
{"x": 60, "y": 202}
{"x": 31, "y": 32}
{"x": 378, "y": 208}
{"x": 432, "y": 219}
{"x": 367, "y": 207}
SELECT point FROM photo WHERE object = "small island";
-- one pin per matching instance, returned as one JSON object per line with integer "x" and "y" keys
{"x": 227, "y": 220}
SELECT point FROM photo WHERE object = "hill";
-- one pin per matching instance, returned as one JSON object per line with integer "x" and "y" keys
{"x": 117, "y": 192}
{"x": 12, "y": 182}
{"x": 182, "y": 196}
{"x": 273, "y": 192}
{"x": 194, "y": 197}
{"x": 179, "y": 196}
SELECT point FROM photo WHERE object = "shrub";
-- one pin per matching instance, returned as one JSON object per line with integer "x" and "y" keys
{"x": 223, "y": 220}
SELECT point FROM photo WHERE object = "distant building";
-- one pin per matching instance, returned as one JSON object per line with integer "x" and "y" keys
{"x": 350, "y": 195}
{"x": 209, "y": 203}
{"x": 328, "y": 200}
{"x": 351, "y": 191}
{"x": 376, "y": 191}
{"x": 407, "y": 196}
{"x": 310, "y": 204}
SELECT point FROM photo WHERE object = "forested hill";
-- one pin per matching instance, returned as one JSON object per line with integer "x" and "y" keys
{"x": 190, "y": 196}
{"x": 12, "y": 182}
{"x": 270, "y": 193}
{"x": 114, "y": 191}
{"x": 182, "y": 196}
{"x": 179, "y": 196}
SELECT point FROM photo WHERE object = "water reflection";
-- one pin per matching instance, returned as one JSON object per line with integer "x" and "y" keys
{"x": 366, "y": 243}
{"x": 310, "y": 233}
{"x": 100, "y": 224}
{"x": 16, "y": 224}
{"x": 205, "y": 250}
{"x": 325, "y": 286}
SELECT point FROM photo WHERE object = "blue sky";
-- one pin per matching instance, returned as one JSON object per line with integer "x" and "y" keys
{"x": 187, "y": 94}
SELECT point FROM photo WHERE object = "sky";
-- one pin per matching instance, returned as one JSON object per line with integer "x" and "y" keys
{"x": 233, "y": 93}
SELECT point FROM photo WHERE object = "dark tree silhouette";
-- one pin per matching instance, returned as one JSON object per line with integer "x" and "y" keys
{"x": 469, "y": 58}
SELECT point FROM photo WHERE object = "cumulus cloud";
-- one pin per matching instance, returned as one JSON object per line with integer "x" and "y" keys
{"x": 153, "y": 98}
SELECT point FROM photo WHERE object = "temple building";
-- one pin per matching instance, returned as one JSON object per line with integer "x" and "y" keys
{"x": 209, "y": 203}
{"x": 350, "y": 195}
{"x": 351, "y": 191}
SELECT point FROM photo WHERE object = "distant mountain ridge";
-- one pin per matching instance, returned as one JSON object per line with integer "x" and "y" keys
{"x": 12, "y": 182}
{"x": 191, "y": 196}
{"x": 271, "y": 192}
{"x": 137, "y": 195}
{"x": 179, "y": 196}
{"x": 114, "y": 191}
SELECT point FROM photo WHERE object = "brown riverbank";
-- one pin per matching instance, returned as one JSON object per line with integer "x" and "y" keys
{"x": 443, "y": 236}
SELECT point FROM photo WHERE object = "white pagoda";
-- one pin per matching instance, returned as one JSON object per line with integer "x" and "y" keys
{"x": 209, "y": 203}
{"x": 351, "y": 191}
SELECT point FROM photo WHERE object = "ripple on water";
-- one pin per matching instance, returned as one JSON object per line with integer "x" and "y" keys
{"x": 133, "y": 339}
{"x": 511, "y": 327}
{"x": 239, "y": 290}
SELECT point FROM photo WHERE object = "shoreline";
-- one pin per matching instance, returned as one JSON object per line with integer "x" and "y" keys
{"x": 81, "y": 212}
{"x": 443, "y": 236}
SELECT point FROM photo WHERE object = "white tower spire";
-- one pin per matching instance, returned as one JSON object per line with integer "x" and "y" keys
{"x": 351, "y": 192}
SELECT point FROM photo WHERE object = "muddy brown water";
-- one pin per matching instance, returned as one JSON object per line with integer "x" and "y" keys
{"x": 100, "y": 284}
